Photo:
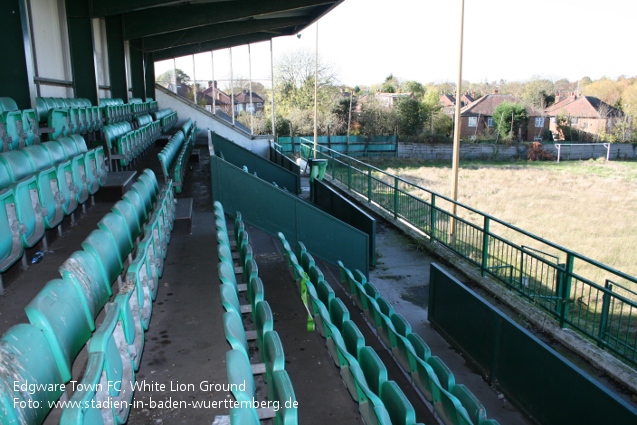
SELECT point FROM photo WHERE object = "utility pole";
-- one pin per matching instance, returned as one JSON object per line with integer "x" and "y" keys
{"x": 456, "y": 135}
{"x": 316, "y": 95}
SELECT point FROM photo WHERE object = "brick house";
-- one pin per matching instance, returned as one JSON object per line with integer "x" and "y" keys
{"x": 584, "y": 113}
{"x": 448, "y": 102}
{"x": 242, "y": 103}
{"x": 223, "y": 100}
{"x": 476, "y": 118}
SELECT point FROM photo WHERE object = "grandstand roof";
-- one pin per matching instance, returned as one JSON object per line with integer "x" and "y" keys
{"x": 172, "y": 28}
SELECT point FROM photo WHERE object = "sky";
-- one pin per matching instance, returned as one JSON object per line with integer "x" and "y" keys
{"x": 367, "y": 40}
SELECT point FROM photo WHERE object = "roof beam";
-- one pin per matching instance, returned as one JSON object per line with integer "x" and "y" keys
{"x": 214, "y": 32}
{"x": 101, "y": 8}
{"x": 175, "y": 18}
{"x": 192, "y": 49}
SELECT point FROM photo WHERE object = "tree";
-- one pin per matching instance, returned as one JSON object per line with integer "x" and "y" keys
{"x": 376, "y": 119}
{"x": 606, "y": 90}
{"x": 508, "y": 117}
{"x": 410, "y": 116}
{"x": 539, "y": 92}
{"x": 167, "y": 77}
{"x": 414, "y": 87}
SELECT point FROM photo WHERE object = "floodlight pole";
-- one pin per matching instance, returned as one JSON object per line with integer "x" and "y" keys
{"x": 316, "y": 95}
{"x": 214, "y": 84}
{"x": 456, "y": 134}
{"x": 194, "y": 78}
{"x": 272, "y": 100}
{"x": 231, "y": 87}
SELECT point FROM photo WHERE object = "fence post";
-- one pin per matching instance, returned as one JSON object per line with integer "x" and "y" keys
{"x": 349, "y": 173}
{"x": 485, "y": 245}
{"x": 432, "y": 218}
{"x": 605, "y": 310}
{"x": 395, "y": 198}
{"x": 565, "y": 289}
{"x": 369, "y": 184}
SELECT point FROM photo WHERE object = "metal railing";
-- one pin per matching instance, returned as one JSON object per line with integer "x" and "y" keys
{"x": 556, "y": 279}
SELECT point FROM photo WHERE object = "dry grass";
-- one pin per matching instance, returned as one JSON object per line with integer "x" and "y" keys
{"x": 587, "y": 206}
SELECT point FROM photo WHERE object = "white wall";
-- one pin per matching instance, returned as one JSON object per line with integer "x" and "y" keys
{"x": 185, "y": 109}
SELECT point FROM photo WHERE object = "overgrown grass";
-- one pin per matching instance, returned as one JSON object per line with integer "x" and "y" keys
{"x": 587, "y": 206}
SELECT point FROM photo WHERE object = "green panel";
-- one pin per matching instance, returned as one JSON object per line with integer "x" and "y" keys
{"x": 16, "y": 72}
{"x": 266, "y": 170}
{"x": 149, "y": 65}
{"x": 338, "y": 206}
{"x": 273, "y": 210}
{"x": 80, "y": 29}
{"x": 116, "y": 57}
{"x": 137, "y": 69}
{"x": 534, "y": 376}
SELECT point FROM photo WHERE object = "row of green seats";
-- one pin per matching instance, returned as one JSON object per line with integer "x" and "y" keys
{"x": 62, "y": 317}
{"x": 17, "y": 128}
{"x": 124, "y": 144}
{"x": 39, "y": 186}
{"x": 174, "y": 157}
{"x": 271, "y": 360}
{"x": 69, "y": 116}
{"x": 167, "y": 117}
{"x": 143, "y": 108}
{"x": 380, "y": 401}
{"x": 453, "y": 403}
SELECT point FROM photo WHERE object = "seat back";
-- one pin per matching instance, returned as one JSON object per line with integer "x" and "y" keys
{"x": 117, "y": 227}
{"x": 240, "y": 375}
{"x": 66, "y": 327}
{"x": 373, "y": 368}
{"x": 400, "y": 410}
{"x": 235, "y": 333}
{"x": 102, "y": 246}
{"x": 273, "y": 358}
{"x": 264, "y": 322}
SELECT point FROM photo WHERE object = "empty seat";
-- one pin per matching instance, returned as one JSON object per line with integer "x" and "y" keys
{"x": 27, "y": 359}
{"x": 264, "y": 323}
{"x": 56, "y": 311}
{"x": 398, "y": 339}
{"x": 101, "y": 245}
{"x": 273, "y": 358}
{"x": 399, "y": 408}
{"x": 10, "y": 243}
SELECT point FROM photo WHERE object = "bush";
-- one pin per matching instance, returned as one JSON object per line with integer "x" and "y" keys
{"x": 536, "y": 152}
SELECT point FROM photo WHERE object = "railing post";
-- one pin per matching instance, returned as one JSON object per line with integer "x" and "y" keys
{"x": 332, "y": 162}
{"x": 565, "y": 288}
{"x": 485, "y": 245}
{"x": 395, "y": 198}
{"x": 432, "y": 217}
{"x": 369, "y": 184}
{"x": 605, "y": 310}
{"x": 349, "y": 173}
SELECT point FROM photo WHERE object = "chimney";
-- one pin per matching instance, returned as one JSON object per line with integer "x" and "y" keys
{"x": 473, "y": 95}
{"x": 557, "y": 97}
{"x": 214, "y": 83}
{"x": 495, "y": 91}
{"x": 209, "y": 84}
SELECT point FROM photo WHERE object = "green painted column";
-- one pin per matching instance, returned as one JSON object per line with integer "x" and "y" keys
{"x": 80, "y": 28}
{"x": 16, "y": 72}
{"x": 149, "y": 65}
{"x": 116, "y": 57}
{"x": 137, "y": 69}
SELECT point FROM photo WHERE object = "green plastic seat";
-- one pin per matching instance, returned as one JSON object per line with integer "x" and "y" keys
{"x": 255, "y": 294}
{"x": 264, "y": 322}
{"x": 399, "y": 408}
{"x": 28, "y": 210}
{"x": 147, "y": 177}
{"x": 64, "y": 168}
{"x": 240, "y": 375}
{"x": 370, "y": 406}
{"x": 325, "y": 293}
{"x": 234, "y": 331}
{"x": 476, "y": 412}
{"x": 273, "y": 358}
{"x": 117, "y": 227}
{"x": 398, "y": 339}
{"x": 315, "y": 275}
{"x": 27, "y": 358}
{"x": 446, "y": 405}
{"x": 382, "y": 313}
{"x": 229, "y": 298}
{"x": 78, "y": 167}
{"x": 284, "y": 393}
{"x": 353, "y": 342}
{"x": 101, "y": 245}
{"x": 226, "y": 275}
{"x": 142, "y": 272}
{"x": 57, "y": 311}
{"x": 10, "y": 243}
{"x": 252, "y": 270}
{"x": 307, "y": 261}
{"x": 244, "y": 416}
{"x": 127, "y": 211}
{"x": 373, "y": 368}
{"x": 339, "y": 314}
{"x": 82, "y": 270}
{"x": 127, "y": 305}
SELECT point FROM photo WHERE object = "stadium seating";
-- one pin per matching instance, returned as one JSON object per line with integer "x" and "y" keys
{"x": 175, "y": 156}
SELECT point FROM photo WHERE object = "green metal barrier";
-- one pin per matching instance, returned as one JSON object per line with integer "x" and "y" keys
{"x": 278, "y": 157}
{"x": 357, "y": 145}
{"x": 336, "y": 205}
{"x": 265, "y": 169}
{"x": 274, "y": 210}
{"x": 590, "y": 297}
{"x": 546, "y": 385}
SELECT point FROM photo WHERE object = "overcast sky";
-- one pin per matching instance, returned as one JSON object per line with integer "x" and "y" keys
{"x": 367, "y": 40}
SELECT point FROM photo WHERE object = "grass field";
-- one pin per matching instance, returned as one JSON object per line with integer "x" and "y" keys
{"x": 587, "y": 206}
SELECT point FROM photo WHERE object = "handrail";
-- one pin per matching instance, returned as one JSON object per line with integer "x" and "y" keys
{"x": 575, "y": 299}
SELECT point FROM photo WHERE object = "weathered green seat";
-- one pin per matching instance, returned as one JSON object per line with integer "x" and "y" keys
{"x": 145, "y": 195}
{"x": 127, "y": 211}
{"x": 255, "y": 294}
{"x": 82, "y": 270}
{"x": 78, "y": 166}
{"x": 240, "y": 375}
{"x": 10, "y": 243}
{"x": 57, "y": 311}
{"x": 117, "y": 227}
{"x": 142, "y": 273}
{"x": 147, "y": 177}
{"x": 101, "y": 245}
{"x": 108, "y": 361}
{"x": 27, "y": 359}
{"x": 136, "y": 201}
{"x": 399, "y": 408}
{"x": 64, "y": 169}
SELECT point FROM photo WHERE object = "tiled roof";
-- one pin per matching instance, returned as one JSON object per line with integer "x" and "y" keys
{"x": 485, "y": 106}
{"x": 244, "y": 97}
{"x": 583, "y": 107}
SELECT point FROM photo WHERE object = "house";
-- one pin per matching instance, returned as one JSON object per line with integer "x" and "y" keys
{"x": 448, "y": 102}
{"x": 476, "y": 118}
{"x": 587, "y": 114}
{"x": 243, "y": 102}
{"x": 390, "y": 99}
{"x": 222, "y": 100}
